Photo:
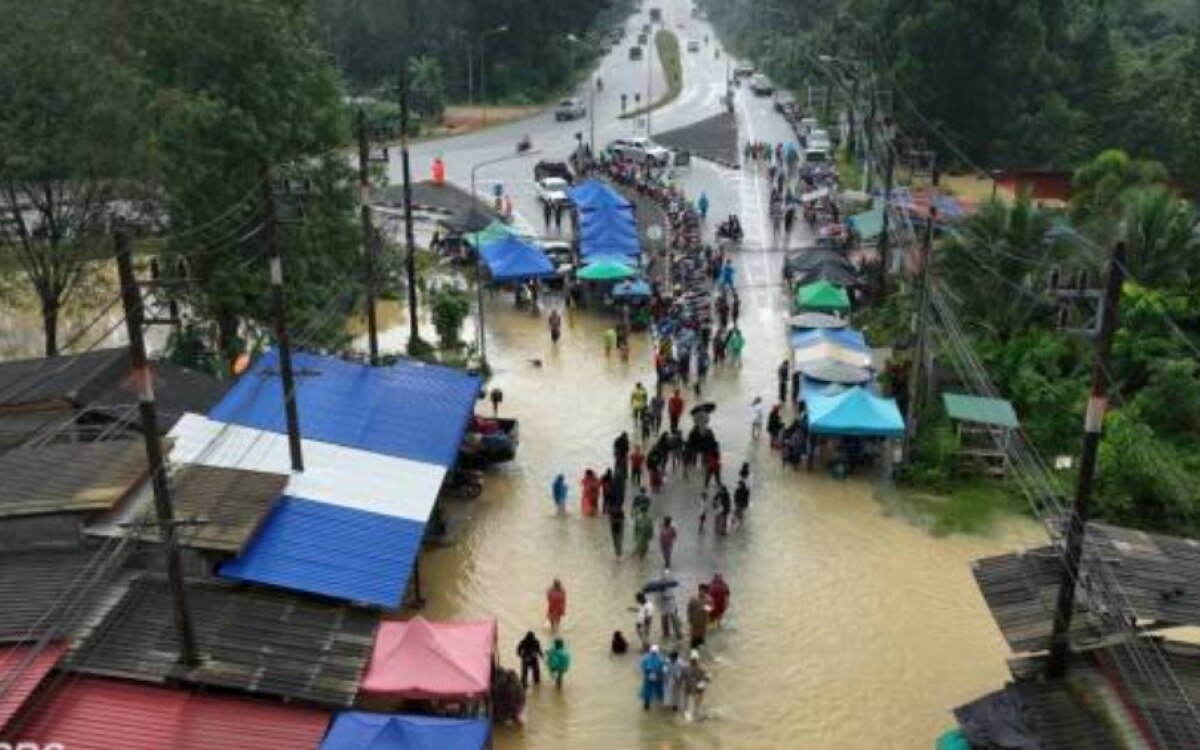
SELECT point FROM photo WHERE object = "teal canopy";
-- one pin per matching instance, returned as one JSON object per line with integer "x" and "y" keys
{"x": 856, "y": 411}
{"x": 868, "y": 224}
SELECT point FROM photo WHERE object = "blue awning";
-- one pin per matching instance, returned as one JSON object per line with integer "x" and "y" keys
{"x": 409, "y": 410}
{"x": 356, "y": 730}
{"x": 614, "y": 236}
{"x": 332, "y": 551}
{"x": 514, "y": 259}
{"x": 605, "y": 216}
{"x": 591, "y": 195}
{"x": 844, "y": 337}
{"x": 856, "y": 411}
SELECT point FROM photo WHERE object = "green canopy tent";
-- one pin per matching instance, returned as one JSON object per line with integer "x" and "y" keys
{"x": 822, "y": 295}
{"x": 493, "y": 232}
{"x": 606, "y": 270}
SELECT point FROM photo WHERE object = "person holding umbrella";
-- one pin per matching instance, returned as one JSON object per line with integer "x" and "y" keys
{"x": 668, "y": 609}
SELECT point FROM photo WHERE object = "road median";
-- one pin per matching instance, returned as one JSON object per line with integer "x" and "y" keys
{"x": 669, "y": 55}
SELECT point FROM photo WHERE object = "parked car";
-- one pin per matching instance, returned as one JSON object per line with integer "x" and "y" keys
{"x": 544, "y": 169}
{"x": 553, "y": 190}
{"x": 693, "y": 45}
{"x": 816, "y": 155}
{"x": 640, "y": 149}
{"x": 809, "y": 124}
{"x": 562, "y": 256}
{"x": 761, "y": 85}
{"x": 743, "y": 71}
{"x": 784, "y": 101}
{"x": 570, "y": 109}
{"x": 635, "y": 53}
{"x": 819, "y": 139}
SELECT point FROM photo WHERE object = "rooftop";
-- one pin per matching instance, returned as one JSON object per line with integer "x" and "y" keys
{"x": 69, "y": 477}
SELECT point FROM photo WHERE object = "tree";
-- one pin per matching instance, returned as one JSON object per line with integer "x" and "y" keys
{"x": 1163, "y": 248}
{"x": 1100, "y": 183}
{"x": 450, "y": 308}
{"x": 427, "y": 88}
{"x": 995, "y": 265}
{"x": 68, "y": 130}
{"x": 239, "y": 86}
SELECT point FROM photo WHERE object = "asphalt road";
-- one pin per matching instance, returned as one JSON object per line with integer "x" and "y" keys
{"x": 743, "y": 191}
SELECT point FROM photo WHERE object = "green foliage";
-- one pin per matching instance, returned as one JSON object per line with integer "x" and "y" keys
{"x": 1170, "y": 403}
{"x": 450, "y": 308}
{"x": 1101, "y": 183}
{"x": 1163, "y": 248}
{"x": 427, "y": 87}
{"x": 946, "y": 508}
{"x": 529, "y": 62}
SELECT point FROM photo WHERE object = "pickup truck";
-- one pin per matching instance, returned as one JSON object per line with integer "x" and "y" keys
{"x": 640, "y": 149}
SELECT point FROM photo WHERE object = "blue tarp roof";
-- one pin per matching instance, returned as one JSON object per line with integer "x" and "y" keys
{"x": 845, "y": 337}
{"x": 613, "y": 237}
{"x": 409, "y": 410}
{"x": 591, "y": 195}
{"x": 333, "y": 551}
{"x": 621, "y": 219}
{"x": 854, "y": 412}
{"x": 356, "y": 730}
{"x": 514, "y": 259}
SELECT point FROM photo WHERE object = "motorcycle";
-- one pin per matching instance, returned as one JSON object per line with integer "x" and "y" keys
{"x": 524, "y": 145}
{"x": 464, "y": 484}
{"x": 730, "y": 229}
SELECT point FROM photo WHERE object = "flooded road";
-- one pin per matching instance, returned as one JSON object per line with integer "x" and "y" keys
{"x": 847, "y": 629}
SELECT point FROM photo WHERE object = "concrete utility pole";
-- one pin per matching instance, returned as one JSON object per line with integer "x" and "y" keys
{"x": 410, "y": 264}
{"x": 1093, "y": 427}
{"x": 278, "y": 311}
{"x": 131, "y": 297}
{"x": 922, "y": 330}
{"x": 368, "y": 238}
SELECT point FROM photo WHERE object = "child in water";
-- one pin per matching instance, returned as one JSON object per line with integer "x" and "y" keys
{"x": 558, "y": 661}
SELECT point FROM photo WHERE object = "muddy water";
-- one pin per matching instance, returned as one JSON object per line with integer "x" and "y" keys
{"x": 847, "y": 629}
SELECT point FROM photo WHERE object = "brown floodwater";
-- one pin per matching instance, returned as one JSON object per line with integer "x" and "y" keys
{"x": 847, "y": 629}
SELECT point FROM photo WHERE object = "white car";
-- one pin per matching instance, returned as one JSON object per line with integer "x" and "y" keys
{"x": 553, "y": 190}
{"x": 761, "y": 85}
{"x": 819, "y": 139}
{"x": 570, "y": 109}
{"x": 693, "y": 46}
{"x": 809, "y": 124}
{"x": 640, "y": 149}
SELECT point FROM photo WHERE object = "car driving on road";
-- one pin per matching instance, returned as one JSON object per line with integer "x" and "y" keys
{"x": 547, "y": 168}
{"x": 569, "y": 109}
{"x": 693, "y": 45}
{"x": 761, "y": 85}
{"x": 553, "y": 190}
{"x": 635, "y": 53}
{"x": 640, "y": 150}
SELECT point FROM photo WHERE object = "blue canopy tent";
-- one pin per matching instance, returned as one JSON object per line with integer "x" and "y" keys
{"x": 592, "y": 195}
{"x": 356, "y": 730}
{"x": 514, "y": 259}
{"x": 607, "y": 216}
{"x": 609, "y": 238}
{"x": 856, "y": 411}
{"x": 848, "y": 338}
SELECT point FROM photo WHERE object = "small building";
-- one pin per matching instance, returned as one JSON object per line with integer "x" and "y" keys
{"x": 984, "y": 428}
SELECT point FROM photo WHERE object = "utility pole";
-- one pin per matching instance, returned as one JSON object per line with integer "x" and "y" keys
{"x": 650, "y": 81}
{"x": 131, "y": 297}
{"x": 368, "y": 239}
{"x": 1093, "y": 427}
{"x": 410, "y": 265}
{"x": 278, "y": 312}
{"x": 922, "y": 330}
{"x": 885, "y": 260}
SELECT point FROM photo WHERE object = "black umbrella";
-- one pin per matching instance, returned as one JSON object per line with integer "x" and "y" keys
{"x": 662, "y": 584}
{"x": 707, "y": 407}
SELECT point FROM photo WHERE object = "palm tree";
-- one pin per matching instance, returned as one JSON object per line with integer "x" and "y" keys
{"x": 1162, "y": 243}
{"x": 996, "y": 265}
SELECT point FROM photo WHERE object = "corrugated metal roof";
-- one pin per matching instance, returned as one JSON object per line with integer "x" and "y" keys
{"x": 101, "y": 714}
{"x": 69, "y": 477}
{"x": 22, "y": 669}
{"x": 253, "y": 640}
{"x": 74, "y": 378}
{"x": 332, "y": 474}
{"x": 994, "y": 411}
{"x": 410, "y": 410}
{"x": 325, "y": 549}
{"x": 37, "y": 583}
{"x": 177, "y": 390}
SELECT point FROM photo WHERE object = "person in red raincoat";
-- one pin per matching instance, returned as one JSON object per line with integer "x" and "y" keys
{"x": 675, "y": 409}
{"x": 718, "y": 597}
{"x": 590, "y": 497}
{"x": 556, "y": 604}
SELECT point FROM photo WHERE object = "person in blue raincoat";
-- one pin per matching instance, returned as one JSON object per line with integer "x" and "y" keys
{"x": 702, "y": 205}
{"x": 653, "y": 677}
{"x": 559, "y": 491}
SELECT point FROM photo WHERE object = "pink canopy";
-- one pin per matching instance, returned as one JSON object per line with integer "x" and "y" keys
{"x": 422, "y": 659}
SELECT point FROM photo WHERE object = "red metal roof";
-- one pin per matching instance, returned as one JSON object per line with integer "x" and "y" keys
{"x": 21, "y": 671}
{"x": 90, "y": 713}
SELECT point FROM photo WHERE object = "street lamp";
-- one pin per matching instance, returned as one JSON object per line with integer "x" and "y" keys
{"x": 483, "y": 68}
{"x": 591, "y": 102}
{"x": 481, "y": 335}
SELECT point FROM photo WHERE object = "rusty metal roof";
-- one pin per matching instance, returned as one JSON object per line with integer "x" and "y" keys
{"x": 226, "y": 506}
{"x": 49, "y": 591}
{"x": 253, "y": 640}
{"x": 69, "y": 477}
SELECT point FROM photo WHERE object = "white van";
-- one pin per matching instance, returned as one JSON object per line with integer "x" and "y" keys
{"x": 816, "y": 156}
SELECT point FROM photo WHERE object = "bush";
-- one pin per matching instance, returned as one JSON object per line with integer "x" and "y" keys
{"x": 450, "y": 308}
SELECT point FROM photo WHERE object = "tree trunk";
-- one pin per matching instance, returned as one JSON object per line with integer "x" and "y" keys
{"x": 50, "y": 326}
